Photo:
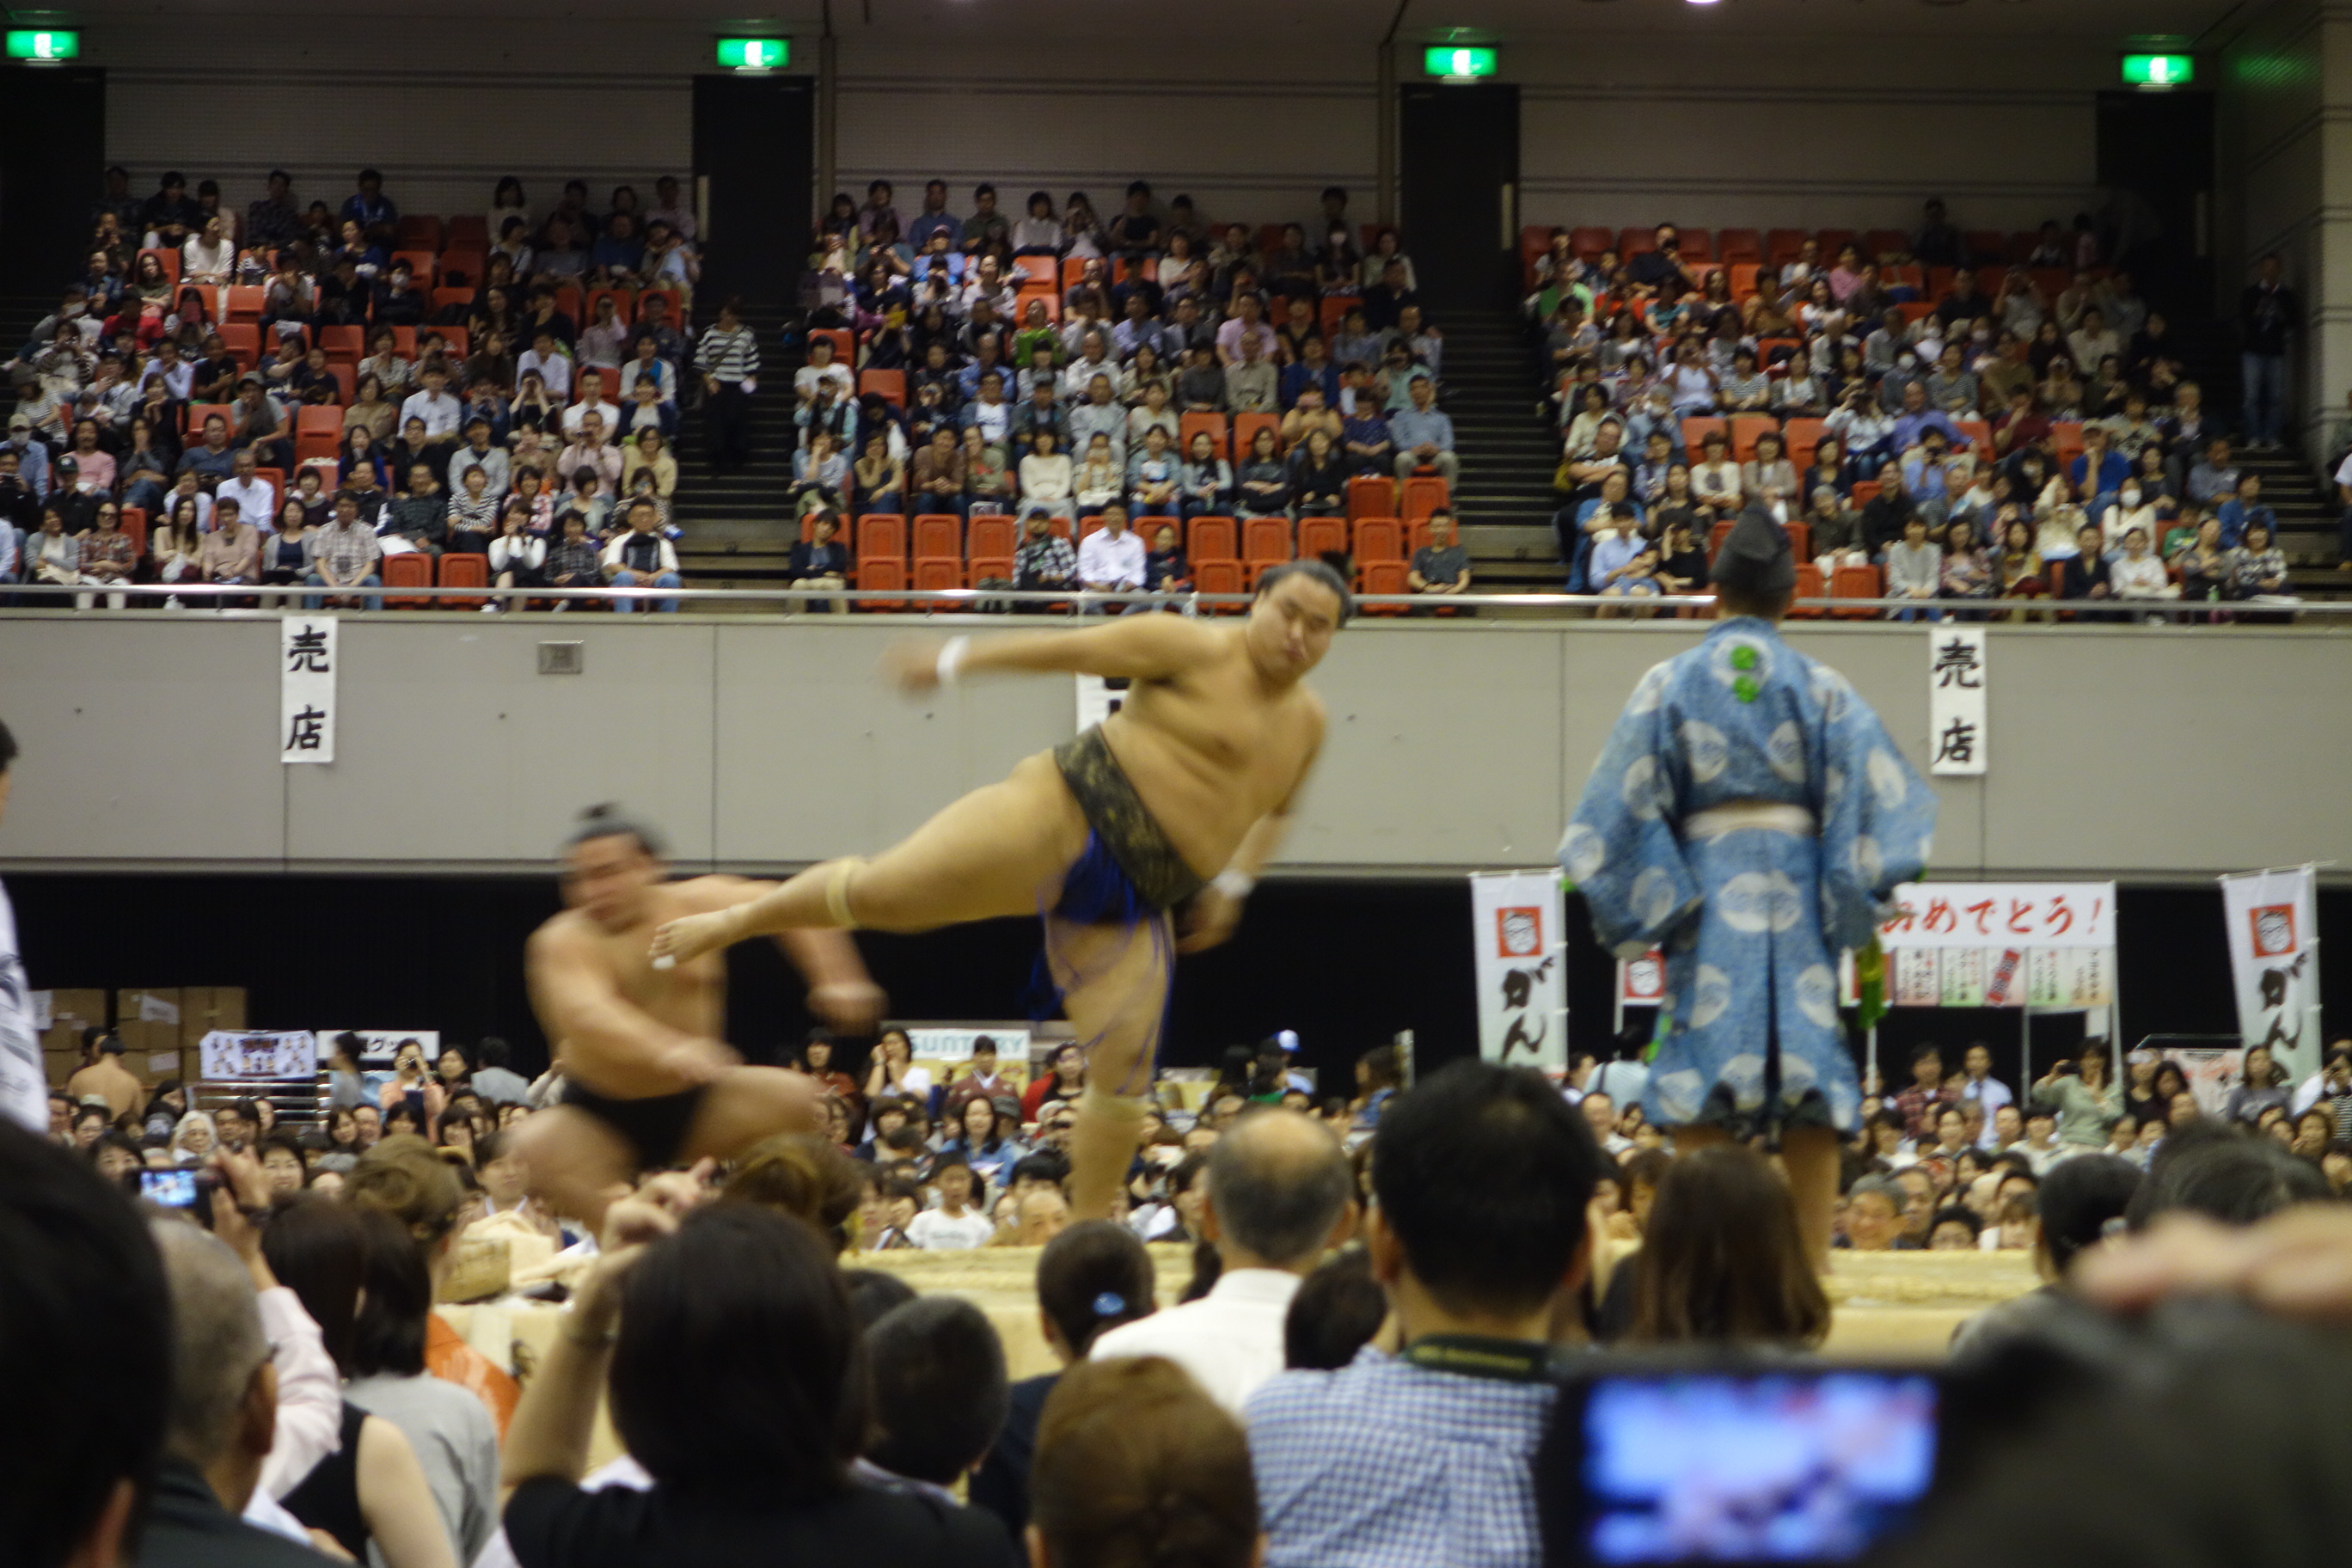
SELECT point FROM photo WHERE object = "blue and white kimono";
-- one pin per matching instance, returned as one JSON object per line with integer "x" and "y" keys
{"x": 1753, "y": 903}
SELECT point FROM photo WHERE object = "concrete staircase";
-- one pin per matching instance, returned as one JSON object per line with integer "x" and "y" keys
{"x": 736, "y": 528}
{"x": 1508, "y": 452}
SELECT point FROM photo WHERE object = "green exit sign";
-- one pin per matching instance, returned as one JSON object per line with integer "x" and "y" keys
{"x": 1453, "y": 62}
{"x": 2159, "y": 70}
{"x": 27, "y": 45}
{"x": 755, "y": 54}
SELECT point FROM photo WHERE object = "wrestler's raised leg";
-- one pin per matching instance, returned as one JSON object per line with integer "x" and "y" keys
{"x": 746, "y": 1104}
{"x": 1114, "y": 981}
{"x": 578, "y": 1165}
{"x": 1001, "y": 851}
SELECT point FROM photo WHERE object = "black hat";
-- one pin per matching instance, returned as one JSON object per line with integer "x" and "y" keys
{"x": 1755, "y": 561}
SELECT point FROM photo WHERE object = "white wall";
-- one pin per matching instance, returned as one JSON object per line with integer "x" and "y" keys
{"x": 442, "y": 108}
{"x": 763, "y": 743}
{"x": 1616, "y": 129}
{"x": 1816, "y": 131}
{"x": 1255, "y": 139}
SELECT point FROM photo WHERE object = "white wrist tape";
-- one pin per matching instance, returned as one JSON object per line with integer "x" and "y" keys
{"x": 952, "y": 658}
{"x": 1234, "y": 885}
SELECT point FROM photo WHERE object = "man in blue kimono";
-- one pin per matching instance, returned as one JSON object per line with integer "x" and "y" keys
{"x": 1749, "y": 816}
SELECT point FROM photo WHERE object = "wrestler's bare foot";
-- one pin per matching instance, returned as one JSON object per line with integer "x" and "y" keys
{"x": 690, "y": 936}
{"x": 912, "y": 664}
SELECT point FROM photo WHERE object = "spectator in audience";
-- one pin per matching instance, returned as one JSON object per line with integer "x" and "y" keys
{"x": 729, "y": 358}
{"x": 730, "y": 1475}
{"x": 1110, "y": 559}
{"x": 1425, "y": 435}
{"x": 938, "y": 1401}
{"x": 343, "y": 555}
{"x": 641, "y": 554}
{"x": 1442, "y": 566}
{"x": 2270, "y": 315}
{"x": 1132, "y": 1452}
{"x": 1045, "y": 562}
{"x": 1251, "y": 385}
{"x": 1481, "y": 1175}
{"x": 1721, "y": 1260}
{"x": 1281, "y": 1194}
{"x": 90, "y": 1344}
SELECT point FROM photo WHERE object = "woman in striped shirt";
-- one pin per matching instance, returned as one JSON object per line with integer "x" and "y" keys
{"x": 730, "y": 361}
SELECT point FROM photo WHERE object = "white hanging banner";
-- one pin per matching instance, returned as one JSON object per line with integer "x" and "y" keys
{"x": 223, "y": 1054}
{"x": 1956, "y": 698}
{"x": 306, "y": 689}
{"x": 2273, "y": 920}
{"x": 2045, "y": 945}
{"x": 1517, "y": 930}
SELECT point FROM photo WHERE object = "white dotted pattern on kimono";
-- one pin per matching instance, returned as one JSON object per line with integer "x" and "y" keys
{"x": 1705, "y": 750}
{"x": 1760, "y": 901}
{"x": 1651, "y": 690}
{"x": 1833, "y": 787}
{"x": 1582, "y": 852}
{"x": 1887, "y": 779}
{"x": 1711, "y": 997}
{"x": 1744, "y": 1077}
{"x": 1869, "y": 864}
{"x": 1926, "y": 848}
{"x": 1721, "y": 653}
{"x": 1644, "y": 790}
{"x": 1785, "y": 749}
{"x": 1653, "y": 898}
{"x": 1832, "y": 692}
{"x": 1679, "y": 1096}
{"x": 1817, "y": 995}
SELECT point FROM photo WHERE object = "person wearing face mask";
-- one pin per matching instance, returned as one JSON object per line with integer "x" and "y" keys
{"x": 2133, "y": 508}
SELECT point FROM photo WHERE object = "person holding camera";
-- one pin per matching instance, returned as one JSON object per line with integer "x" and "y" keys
{"x": 2087, "y": 1103}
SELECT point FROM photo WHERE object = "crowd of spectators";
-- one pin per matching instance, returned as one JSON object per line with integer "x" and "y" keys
{"x": 291, "y": 395}
{"x": 1149, "y": 365}
{"x": 1355, "y": 1374}
{"x": 1940, "y": 421}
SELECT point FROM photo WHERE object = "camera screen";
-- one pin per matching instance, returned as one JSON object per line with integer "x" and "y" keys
{"x": 172, "y": 1189}
{"x": 1790, "y": 1467}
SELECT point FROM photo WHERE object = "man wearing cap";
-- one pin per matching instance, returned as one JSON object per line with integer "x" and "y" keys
{"x": 32, "y": 458}
{"x": 1750, "y": 814}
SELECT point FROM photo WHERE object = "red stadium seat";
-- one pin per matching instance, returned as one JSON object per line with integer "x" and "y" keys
{"x": 1744, "y": 429}
{"x": 1808, "y": 586}
{"x": 1856, "y": 582}
{"x": 1378, "y": 539}
{"x": 1803, "y": 436}
{"x": 992, "y": 537}
{"x": 460, "y": 269}
{"x": 1423, "y": 495}
{"x": 1210, "y": 425}
{"x": 244, "y": 341}
{"x": 1589, "y": 243}
{"x": 1245, "y": 429}
{"x": 241, "y": 302}
{"x": 1321, "y": 536}
{"x": 1212, "y": 539}
{"x": 132, "y": 521}
{"x": 1266, "y": 540}
{"x": 1383, "y": 577}
{"x": 1218, "y": 577}
{"x": 411, "y": 569}
{"x": 464, "y": 570}
{"x": 880, "y": 576}
{"x": 1371, "y": 495}
{"x": 1695, "y": 430}
{"x": 1738, "y": 244}
{"x": 419, "y": 231}
{"x": 890, "y": 383}
{"x": 317, "y": 433}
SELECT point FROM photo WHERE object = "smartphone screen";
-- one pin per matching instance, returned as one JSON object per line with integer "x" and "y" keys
{"x": 1816, "y": 1465}
{"x": 170, "y": 1189}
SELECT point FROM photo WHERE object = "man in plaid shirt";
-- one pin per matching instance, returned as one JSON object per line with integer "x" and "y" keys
{"x": 1045, "y": 562}
{"x": 1920, "y": 1104}
{"x": 1482, "y": 1173}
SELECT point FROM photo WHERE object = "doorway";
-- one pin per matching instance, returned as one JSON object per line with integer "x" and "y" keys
{"x": 754, "y": 150}
{"x": 2155, "y": 161}
{"x": 1458, "y": 170}
{"x": 51, "y": 173}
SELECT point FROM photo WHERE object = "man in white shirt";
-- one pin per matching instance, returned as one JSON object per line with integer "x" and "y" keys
{"x": 955, "y": 1224}
{"x": 592, "y": 400}
{"x": 24, "y": 1081}
{"x": 554, "y": 366}
{"x": 821, "y": 368}
{"x": 1110, "y": 560}
{"x": 435, "y": 405}
{"x": 1984, "y": 1088}
{"x": 1280, "y": 1193}
{"x": 255, "y": 498}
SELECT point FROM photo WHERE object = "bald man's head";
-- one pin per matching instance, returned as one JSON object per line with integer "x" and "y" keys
{"x": 1279, "y": 1185}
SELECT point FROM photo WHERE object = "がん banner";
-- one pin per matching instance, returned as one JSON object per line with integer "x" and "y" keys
{"x": 2273, "y": 926}
{"x": 1516, "y": 932}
